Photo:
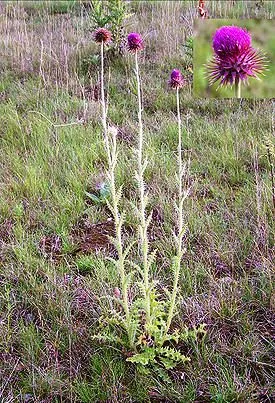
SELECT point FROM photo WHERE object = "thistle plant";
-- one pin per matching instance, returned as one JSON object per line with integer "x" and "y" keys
{"x": 235, "y": 60}
{"x": 147, "y": 319}
{"x": 135, "y": 45}
{"x": 102, "y": 36}
{"x": 153, "y": 343}
{"x": 176, "y": 82}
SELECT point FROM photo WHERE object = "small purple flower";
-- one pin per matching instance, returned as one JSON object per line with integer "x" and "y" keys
{"x": 176, "y": 79}
{"x": 135, "y": 42}
{"x": 235, "y": 59}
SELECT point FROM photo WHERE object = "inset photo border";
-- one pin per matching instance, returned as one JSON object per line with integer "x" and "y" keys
{"x": 234, "y": 58}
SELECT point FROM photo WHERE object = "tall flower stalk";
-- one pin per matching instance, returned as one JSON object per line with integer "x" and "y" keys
{"x": 102, "y": 86}
{"x": 238, "y": 89}
{"x": 102, "y": 36}
{"x": 176, "y": 82}
{"x": 111, "y": 147}
{"x": 110, "y": 136}
{"x": 135, "y": 44}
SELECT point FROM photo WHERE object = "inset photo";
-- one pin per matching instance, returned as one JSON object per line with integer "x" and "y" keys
{"x": 234, "y": 58}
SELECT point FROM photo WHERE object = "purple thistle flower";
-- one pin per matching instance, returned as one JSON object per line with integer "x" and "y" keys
{"x": 235, "y": 60}
{"x": 135, "y": 42}
{"x": 231, "y": 39}
{"x": 176, "y": 79}
{"x": 102, "y": 35}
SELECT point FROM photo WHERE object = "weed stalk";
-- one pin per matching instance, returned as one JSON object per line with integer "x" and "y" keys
{"x": 111, "y": 149}
{"x": 143, "y": 200}
{"x": 238, "y": 88}
{"x": 181, "y": 227}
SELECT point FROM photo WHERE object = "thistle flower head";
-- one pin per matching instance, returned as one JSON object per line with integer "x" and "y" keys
{"x": 235, "y": 59}
{"x": 135, "y": 42}
{"x": 102, "y": 35}
{"x": 176, "y": 79}
{"x": 231, "y": 39}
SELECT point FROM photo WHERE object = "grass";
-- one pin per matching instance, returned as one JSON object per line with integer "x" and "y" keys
{"x": 52, "y": 152}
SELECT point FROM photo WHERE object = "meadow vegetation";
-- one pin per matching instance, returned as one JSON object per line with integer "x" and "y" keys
{"x": 57, "y": 285}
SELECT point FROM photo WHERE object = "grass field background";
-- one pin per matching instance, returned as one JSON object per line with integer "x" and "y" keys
{"x": 55, "y": 280}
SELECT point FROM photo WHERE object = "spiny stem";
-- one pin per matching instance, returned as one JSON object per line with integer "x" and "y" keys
{"x": 103, "y": 105}
{"x": 140, "y": 137}
{"x": 112, "y": 162}
{"x": 238, "y": 88}
{"x": 272, "y": 174}
{"x": 271, "y": 165}
{"x": 179, "y": 150}
{"x": 142, "y": 201}
{"x": 180, "y": 224}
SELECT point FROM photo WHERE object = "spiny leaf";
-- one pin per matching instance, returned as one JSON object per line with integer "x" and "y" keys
{"x": 119, "y": 193}
{"x": 110, "y": 207}
{"x": 173, "y": 354}
{"x": 135, "y": 266}
{"x": 106, "y": 338}
{"x": 149, "y": 219}
{"x": 143, "y": 358}
{"x": 168, "y": 363}
{"x": 151, "y": 258}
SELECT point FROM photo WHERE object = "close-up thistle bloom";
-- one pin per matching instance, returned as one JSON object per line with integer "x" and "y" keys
{"x": 176, "y": 79}
{"x": 235, "y": 60}
{"x": 102, "y": 35}
{"x": 134, "y": 42}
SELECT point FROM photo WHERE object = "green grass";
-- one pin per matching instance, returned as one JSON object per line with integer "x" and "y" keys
{"x": 52, "y": 152}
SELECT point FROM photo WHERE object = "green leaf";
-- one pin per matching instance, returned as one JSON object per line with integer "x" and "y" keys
{"x": 93, "y": 197}
{"x": 143, "y": 358}
{"x": 172, "y": 354}
{"x": 168, "y": 364}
